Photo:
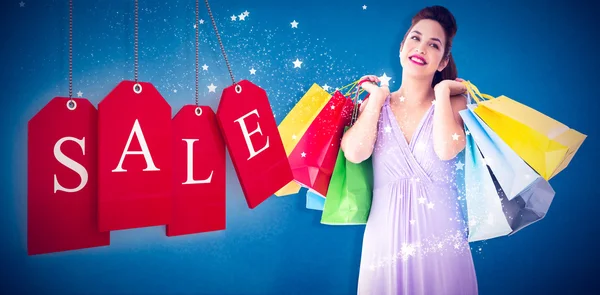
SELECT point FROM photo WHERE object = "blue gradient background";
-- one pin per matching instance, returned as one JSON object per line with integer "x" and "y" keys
{"x": 542, "y": 54}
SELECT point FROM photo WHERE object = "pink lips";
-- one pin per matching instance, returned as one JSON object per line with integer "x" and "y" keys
{"x": 417, "y": 57}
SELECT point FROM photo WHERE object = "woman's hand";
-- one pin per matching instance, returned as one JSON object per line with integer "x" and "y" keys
{"x": 454, "y": 87}
{"x": 374, "y": 90}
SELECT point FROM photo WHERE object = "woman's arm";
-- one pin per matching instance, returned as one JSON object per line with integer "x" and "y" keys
{"x": 448, "y": 128}
{"x": 359, "y": 140}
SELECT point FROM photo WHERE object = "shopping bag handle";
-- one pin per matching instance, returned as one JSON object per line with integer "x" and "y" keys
{"x": 356, "y": 108}
{"x": 475, "y": 93}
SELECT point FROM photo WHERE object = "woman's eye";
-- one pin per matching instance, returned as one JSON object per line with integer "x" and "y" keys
{"x": 434, "y": 45}
{"x": 415, "y": 38}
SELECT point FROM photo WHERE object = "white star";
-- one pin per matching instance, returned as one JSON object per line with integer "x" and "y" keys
{"x": 326, "y": 87}
{"x": 433, "y": 102}
{"x": 459, "y": 165}
{"x": 21, "y": 4}
{"x": 430, "y": 205}
{"x": 252, "y": 71}
{"x": 294, "y": 24}
{"x": 211, "y": 87}
{"x": 455, "y": 136}
{"x": 468, "y": 132}
{"x": 364, "y": 7}
{"x": 201, "y": 21}
{"x": 297, "y": 63}
{"x": 246, "y": 13}
{"x": 333, "y": 107}
{"x": 205, "y": 67}
{"x": 233, "y": 17}
{"x": 79, "y": 94}
{"x": 385, "y": 80}
{"x": 402, "y": 98}
{"x": 294, "y": 137}
{"x": 194, "y": 26}
{"x": 388, "y": 129}
{"x": 422, "y": 200}
{"x": 303, "y": 155}
{"x": 412, "y": 221}
{"x": 174, "y": 90}
{"x": 242, "y": 16}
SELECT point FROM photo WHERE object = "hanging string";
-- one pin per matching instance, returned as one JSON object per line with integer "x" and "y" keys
{"x": 135, "y": 44}
{"x": 220, "y": 43}
{"x": 197, "y": 32}
{"x": 70, "y": 51}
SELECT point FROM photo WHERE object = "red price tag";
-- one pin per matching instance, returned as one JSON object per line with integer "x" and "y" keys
{"x": 62, "y": 199}
{"x": 255, "y": 147}
{"x": 198, "y": 172}
{"x": 134, "y": 158}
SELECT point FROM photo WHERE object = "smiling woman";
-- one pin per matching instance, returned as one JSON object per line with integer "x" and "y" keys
{"x": 415, "y": 240}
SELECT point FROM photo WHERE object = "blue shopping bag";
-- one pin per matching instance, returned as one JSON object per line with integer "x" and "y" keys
{"x": 486, "y": 218}
{"x": 314, "y": 200}
{"x": 530, "y": 196}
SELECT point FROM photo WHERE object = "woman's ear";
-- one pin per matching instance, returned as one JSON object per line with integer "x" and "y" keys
{"x": 443, "y": 63}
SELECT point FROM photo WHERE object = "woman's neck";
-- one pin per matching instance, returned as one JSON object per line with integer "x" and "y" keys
{"x": 415, "y": 91}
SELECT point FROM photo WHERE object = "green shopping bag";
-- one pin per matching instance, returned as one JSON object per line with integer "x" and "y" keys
{"x": 348, "y": 200}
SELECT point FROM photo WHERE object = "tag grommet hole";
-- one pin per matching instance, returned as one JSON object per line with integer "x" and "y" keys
{"x": 137, "y": 88}
{"x": 71, "y": 105}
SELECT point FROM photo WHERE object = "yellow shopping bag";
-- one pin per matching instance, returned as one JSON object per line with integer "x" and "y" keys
{"x": 295, "y": 124}
{"x": 542, "y": 142}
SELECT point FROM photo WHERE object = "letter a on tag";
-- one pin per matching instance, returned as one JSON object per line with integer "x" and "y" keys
{"x": 62, "y": 199}
{"x": 253, "y": 141}
{"x": 135, "y": 158}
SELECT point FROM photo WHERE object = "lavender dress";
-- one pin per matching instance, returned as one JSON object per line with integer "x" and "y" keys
{"x": 415, "y": 240}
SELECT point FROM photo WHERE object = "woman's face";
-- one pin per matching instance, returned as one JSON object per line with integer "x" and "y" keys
{"x": 422, "y": 52}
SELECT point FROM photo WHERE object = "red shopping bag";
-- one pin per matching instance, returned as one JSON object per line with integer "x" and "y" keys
{"x": 313, "y": 159}
{"x": 134, "y": 158}
{"x": 62, "y": 199}
{"x": 250, "y": 131}
{"x": 198, "y": 172}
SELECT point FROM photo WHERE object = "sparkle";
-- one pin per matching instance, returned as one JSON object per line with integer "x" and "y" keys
{"x": 294, "y": 24}
{"x": 79, "y": 94}
{"x": 422, "y": 200}
{"x": 297, "y": 63}
{"x": 21, "y": 4}
{"x": 233, "y": 17}
{"x": 201, "y": 21}
{"x": 385, "y": 80}
{"x": 430, "y": 205}
{"x": 303, "y": 154}
{"x": 333, "y": 107}
{"x": 388, "y": 129}
{"x": 212, "y": 87}
{"x": 252, "y": 71}
{"x": 459, "y": 165}
{"x": 205, "y": 67}
{"x": 294, "y": 137}
{"x": 402, "y": 98}
{"x": 242, "y": 16}
{"x": 455, "y": 136}
{"x": 326, "y": 87}
{"x": 364, "y": 7}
